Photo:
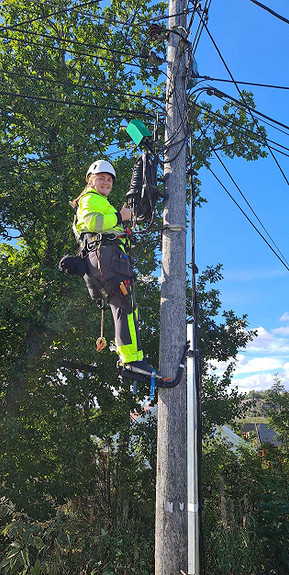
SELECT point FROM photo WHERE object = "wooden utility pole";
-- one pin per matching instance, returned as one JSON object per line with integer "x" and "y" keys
{"x": 171, "y": 490}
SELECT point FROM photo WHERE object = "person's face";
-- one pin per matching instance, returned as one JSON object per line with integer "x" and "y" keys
{"x": 102, "y": 183}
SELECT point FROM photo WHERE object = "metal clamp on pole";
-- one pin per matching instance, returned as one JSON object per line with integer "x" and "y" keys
{"x": 174, "y": 228}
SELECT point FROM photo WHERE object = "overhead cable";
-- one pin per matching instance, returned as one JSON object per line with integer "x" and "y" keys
{"x": 76, "y": 42}
{"x": 244, "y": 83}
{"x": 271, "y": 11}
{"x": 108, "y": 19}
{"x": 245, "y": 199}
{"x": 237, "y": 124}
{"x": 249, "y": 220}
{"x": 248, "y": 108}
{"x": 29, "y": 43}
{"x": 74, "y": 86}
{"x": 78, "y": 104}
{"x": 243, "y": 104}
{"x": 51, "y": 14}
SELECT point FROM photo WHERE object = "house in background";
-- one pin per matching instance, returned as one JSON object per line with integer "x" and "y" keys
{"x": 232, "y": 439}
{"x": 260, "y": 433}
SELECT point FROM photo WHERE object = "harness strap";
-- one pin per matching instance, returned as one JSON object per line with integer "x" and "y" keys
{"x": 89, "y": 241}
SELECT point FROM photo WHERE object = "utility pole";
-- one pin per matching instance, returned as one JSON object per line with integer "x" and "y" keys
{"x": 171, "y": 489}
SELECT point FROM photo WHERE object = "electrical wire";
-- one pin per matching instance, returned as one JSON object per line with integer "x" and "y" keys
{"x": 243, "y": 104}
{"x": 247, "y": 202}
{"x": 78, "y": 104}
{"x": 107, "y": 19}
{"x": 78, "y": 43}
{"x": 200, "y": 28}
{"x": 250, "y": 221}
{"x": 168, "y": 143}
{"x": 271, "y": 11}
{"x": 241, "y": 127}
{"x": 76, "y": 53}
{"x": 75, "y": 86}
{"x": 2, "y": 28}
{"x": 249, "y": 110}
{"x": 244, "y": 83}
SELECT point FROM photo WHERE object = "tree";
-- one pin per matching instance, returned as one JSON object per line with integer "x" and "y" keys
{"x": 71, "y": 76}
{"x": 221, "y": 341}
{"x": 278, "y": 412}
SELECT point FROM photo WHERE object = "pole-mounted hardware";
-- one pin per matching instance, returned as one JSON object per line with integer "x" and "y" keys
{"x": 143, "y": 193}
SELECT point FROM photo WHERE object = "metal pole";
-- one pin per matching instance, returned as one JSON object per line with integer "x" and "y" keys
{"x": 171, "y": 489}
{"x": 192, "y": 445}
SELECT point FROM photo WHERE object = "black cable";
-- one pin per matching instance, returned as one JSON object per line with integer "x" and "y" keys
{"x": 79, "y": 104}
{"x": 168, "y": 144}
{"x": 71, "y": 41}
{"x": 247, "y": 107}
{"x": 249, "y": 220}
{"x": 29, "y": 43}
{"x": 240, "y": 126}
{"x": 245, "y": 130}
{"x": 244, "y": 83}
{"x": 48, "y": 15}
{"x": 220, "y": 94}
{"x": 76, "y": 86}
{"x": 271, "y": 11}
{"x": 241, "y": 193}
{"x": 200, "y": 26}
{"x": 107, "y": 19}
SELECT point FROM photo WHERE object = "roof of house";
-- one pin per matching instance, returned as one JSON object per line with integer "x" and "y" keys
{"x": 267, "y": 434}
{"x": 263, "y": 432}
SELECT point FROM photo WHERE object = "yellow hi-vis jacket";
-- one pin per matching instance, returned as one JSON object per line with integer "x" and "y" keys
{"x": 96, "y": 214}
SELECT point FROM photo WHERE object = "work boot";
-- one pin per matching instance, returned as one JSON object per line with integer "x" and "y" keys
{"x": 140, "y": 370}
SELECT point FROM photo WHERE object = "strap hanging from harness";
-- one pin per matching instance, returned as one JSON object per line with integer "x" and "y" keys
{"x": 101, "y": 341}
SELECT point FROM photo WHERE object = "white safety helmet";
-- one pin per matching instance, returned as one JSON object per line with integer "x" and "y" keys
{"x": 100, "y": 166}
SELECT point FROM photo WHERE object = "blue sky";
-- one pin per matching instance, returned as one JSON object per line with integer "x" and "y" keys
{"x": 255, "y": 46}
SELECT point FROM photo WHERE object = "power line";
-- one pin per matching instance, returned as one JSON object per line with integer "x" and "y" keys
{"x": 48, "y": 15}
{"x": 109, "y": 20}
{"x": 244, "y": 83}
{"x": 246, "y": 130}
{"x": 200, "y": 27}
{"x": 78, "y": 104}
{"x": 220, "y": 94}
{"x": 271, "y": 11}
{"x": 29, "y": 43}
{"x": 84, "y": 44}
{"x": 249, "y": 220}
{"x": 154, "y": 100}
{"x": 247, "y": 107}
{"x": 241, "y": 193}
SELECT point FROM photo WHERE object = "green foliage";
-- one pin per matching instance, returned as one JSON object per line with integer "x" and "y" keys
{"x": 246, "y": 509}
{"x": 75, "y": 542}
{"x": 278, "y": 412}
{"x": 81, "y": 479}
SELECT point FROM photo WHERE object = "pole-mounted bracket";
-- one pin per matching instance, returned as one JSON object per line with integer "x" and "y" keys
{"x": 194, "y": 353}
{"x": 174, "y": 228}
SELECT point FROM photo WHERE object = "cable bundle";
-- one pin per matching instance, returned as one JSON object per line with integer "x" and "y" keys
{"x": 143, "y": 194}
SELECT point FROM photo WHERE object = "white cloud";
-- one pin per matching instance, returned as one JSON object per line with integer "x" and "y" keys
{"x": 249, "y": 275}
{"x": 260, "y": 382}
{"x": 268, "y": 342}
{"x": 257, "y": 364}
{"x": 281, "y": 330}
{"x": 265, "y": 356}
{"x": 285, "y": 316}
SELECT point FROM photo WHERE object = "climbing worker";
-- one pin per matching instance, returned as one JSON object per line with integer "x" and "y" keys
{"x": 100, "y": 231}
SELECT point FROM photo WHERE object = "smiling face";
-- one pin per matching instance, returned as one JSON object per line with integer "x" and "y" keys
{"x": 102, "y": 183}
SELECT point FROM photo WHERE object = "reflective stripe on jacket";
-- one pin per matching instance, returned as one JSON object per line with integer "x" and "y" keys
{"x": 96, "y": 214}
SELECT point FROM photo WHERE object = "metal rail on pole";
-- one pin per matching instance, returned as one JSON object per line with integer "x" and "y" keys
{"x": 192, "y": 460}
